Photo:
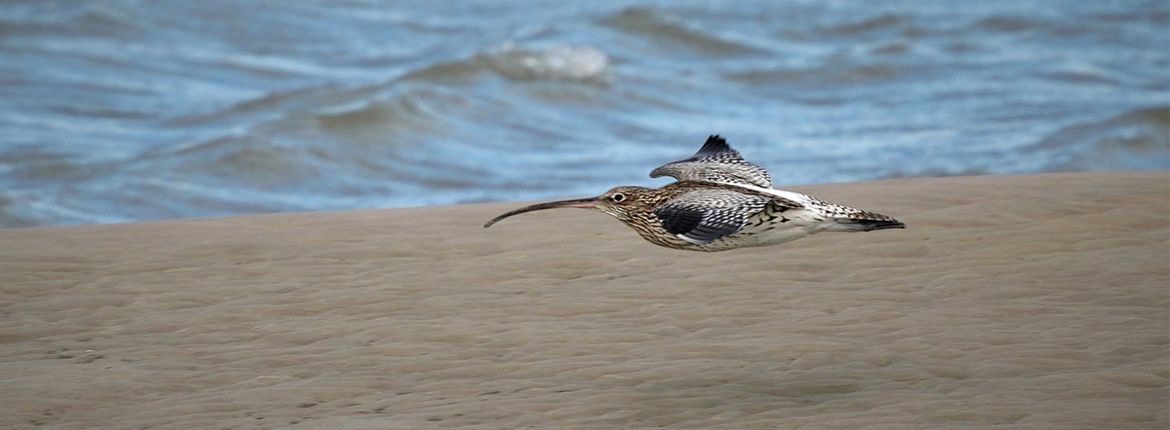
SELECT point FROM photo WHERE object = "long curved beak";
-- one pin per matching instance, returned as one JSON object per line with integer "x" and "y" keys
{"x": 588, "y": 203}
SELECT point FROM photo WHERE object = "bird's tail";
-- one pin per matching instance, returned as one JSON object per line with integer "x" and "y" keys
{"x": 878, "y": 224}
{"x": 859, "y": 220}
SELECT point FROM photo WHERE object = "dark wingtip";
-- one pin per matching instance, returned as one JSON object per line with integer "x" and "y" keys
{"x": 714, "y": 144}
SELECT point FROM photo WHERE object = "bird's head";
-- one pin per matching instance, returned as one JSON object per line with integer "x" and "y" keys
{"x": 619, "y": 202}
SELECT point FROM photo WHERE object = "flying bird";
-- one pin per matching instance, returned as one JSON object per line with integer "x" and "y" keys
{"x": 719, "y": 202}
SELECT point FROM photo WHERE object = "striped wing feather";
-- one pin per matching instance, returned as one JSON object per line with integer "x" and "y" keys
{"x": 716, "y": 162}
{"x": 705, "y": 215}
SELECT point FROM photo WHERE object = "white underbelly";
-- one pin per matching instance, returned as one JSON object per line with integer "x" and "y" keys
{"x": 800, "y": 223}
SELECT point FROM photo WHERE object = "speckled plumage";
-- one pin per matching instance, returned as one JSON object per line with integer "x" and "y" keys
{"x": 720, "y": 202}
{"x": 716, "y": 162}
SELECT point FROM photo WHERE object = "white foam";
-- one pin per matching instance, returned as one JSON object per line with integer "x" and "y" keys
{"x": 557, "y": 62}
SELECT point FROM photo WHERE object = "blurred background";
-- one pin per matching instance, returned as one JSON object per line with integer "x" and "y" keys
{"x": 122, "y": 110}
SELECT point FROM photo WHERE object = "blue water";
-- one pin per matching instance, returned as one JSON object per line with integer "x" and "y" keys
{"x": 126, "y": 110}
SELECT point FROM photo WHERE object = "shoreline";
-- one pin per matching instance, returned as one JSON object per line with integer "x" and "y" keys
{"x": 1032, "y": 301}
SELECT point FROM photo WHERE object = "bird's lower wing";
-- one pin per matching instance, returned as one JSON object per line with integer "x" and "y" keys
{"x": 703, "y": 216}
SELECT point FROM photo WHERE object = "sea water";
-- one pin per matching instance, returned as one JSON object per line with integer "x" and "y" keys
{"x": 122, "y": 110}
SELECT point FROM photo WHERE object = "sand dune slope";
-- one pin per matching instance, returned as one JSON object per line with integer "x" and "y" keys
{"x": 1026, "y": 302}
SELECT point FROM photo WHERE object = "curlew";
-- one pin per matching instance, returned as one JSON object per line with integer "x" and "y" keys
{"x": 719, "y": 202}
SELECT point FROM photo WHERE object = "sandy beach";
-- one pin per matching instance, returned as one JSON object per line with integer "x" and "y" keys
{"x": 1022, "y": 302}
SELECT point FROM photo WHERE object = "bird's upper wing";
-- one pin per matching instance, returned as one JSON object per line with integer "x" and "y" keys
{"x": 704, "y": 215}
{"x": 716, "y": 162}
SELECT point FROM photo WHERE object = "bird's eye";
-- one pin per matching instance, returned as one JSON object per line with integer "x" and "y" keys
{"x": 618, "y": 197}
